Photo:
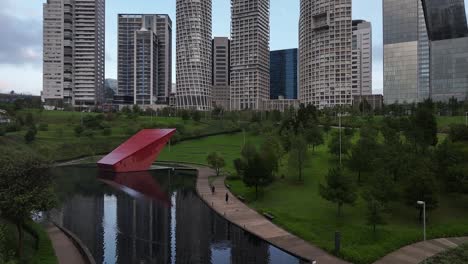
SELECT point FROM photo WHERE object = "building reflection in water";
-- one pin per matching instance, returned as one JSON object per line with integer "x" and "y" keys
{"x": 153, "y": 218}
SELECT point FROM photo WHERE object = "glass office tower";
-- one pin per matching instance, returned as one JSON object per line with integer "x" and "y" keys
{"x": 283, "y": 74}
{"x": 406, "y": 52}
{"x": 448, "y": 33}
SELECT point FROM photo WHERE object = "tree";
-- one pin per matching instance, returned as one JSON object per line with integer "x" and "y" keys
{"x": 421, "y": 128}
{"x": 255, "y": 168}
{"x": 298, "y": 155}
{"x": 196, "y": 116}
{"x": 25, "y": 188}
{"x": 421, "y": 186}
{"x": 78, "y": 130}
{"x": 185, "y": 115}
{"x": 30, "y": 135}
{"x": 339, "y": 188}
{"x": 216, "y": 161}
{"x": 314, "y": 135}
{"x": 363, "y": 152}
{"x": 271, "y": 151}
{"x": 334, "y": 144}
{"x": 327, "y": 124}
{"x": 374, "y": 215}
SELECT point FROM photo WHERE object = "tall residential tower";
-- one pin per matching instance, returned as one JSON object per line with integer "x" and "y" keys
{"x": 250, "y": 54}
{"x": 194, "y": 41}
{"x": 144, "y": 60}
{"x": 221, "y": 72}
{"x": 361, "y": 69}
{"x": 73, "y": 52}
{"x": 325, "y": 33}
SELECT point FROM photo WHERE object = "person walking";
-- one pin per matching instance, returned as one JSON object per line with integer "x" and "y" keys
{"x": 212, "y": 189}
{"x": 227, "y": 198}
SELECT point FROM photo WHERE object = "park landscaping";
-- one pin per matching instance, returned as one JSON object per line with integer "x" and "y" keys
{"x": 454, "y": 256}
{"x": 296, "y": 203}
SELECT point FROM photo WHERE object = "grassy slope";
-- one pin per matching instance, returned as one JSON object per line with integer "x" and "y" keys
{"x": 60, "y": 142}
{"x": 197, "y": 150}
{"x": 300, "y": 209}
{"x": 454, "y": 256}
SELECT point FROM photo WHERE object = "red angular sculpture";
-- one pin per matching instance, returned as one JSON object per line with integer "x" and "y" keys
{"x": 138, "y": 152}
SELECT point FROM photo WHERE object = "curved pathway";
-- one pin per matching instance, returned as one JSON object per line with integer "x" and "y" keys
{"x": 240, "y": 214}
{"x": 418, "y": 252}
{"x": 64, "y": 249}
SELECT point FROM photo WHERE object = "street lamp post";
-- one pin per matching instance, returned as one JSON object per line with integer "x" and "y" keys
{"x": 424, "y": 216}
{"x": 339, "y": 124}
{"x": 466, "y": 119}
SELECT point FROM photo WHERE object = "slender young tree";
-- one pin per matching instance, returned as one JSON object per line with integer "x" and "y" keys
{"x": 339, "y": 189}
{"x": 298, "y": 155}
{"x": 216, "y": 161}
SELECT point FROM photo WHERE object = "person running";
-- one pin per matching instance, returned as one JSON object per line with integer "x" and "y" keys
{"x": 227, "y": 198}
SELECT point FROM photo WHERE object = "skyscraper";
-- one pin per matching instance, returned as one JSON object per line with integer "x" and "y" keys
{"x": 250, "y": 53}
{"x": 73, "y": 52}
{"x": 361, "y": 68}
{"x": 144, "y": 60}
{"x": 448, "y": 35}
{"x": 221, "y": 72}
{"x": 194, "y": 41}
{"x": 325, "y": 52}
{"x": 283, "y": 74}
{"x": 406, "y": 52}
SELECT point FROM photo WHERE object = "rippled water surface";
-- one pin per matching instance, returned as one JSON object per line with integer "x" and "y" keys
{"x": 152, "y": 217}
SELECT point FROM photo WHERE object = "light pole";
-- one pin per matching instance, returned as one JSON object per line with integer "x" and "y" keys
{"x": 424, "y": 216}
{"x": 339, "y": 125}
{"x": 466, "y": 119}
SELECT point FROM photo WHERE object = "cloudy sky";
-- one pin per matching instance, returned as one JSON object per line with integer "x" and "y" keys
{"x": 21, "y": 31}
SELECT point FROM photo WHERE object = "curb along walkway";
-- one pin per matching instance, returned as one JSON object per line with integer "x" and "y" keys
{"x": 64, "y": 249}
{"x": 418, "y": 252}
{"x": 243, "y": 216}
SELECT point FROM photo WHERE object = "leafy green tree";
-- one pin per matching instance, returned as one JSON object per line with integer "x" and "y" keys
{"x": 196, "y": 116}
{"x": 298, "y": 155}
{"x": 255, "y": 168}
{"x": 374, "y": 214}
{"x": 451, "y": 166}
{"x": 458, "y": 133}
{"x": 30, "y": 135}
{"x": 314, "y": 135}
{"x": 339, "y": 188}
{"x": 216, "y": 161}
{"x": 25, "y": 188}
{"x": 29, "y": 120}
{"x": 185, "y": 115}
{"x": 334, "y": 144}
{"x": 422, "y": 186}
{"x": 107, "y": 131}
{"x": 272, "y": 151}
{"x": 363, "y": 152}
{"x": 327, "y": 124}
{"x": 79, "y": 130}
{"x": 421, "y": 128}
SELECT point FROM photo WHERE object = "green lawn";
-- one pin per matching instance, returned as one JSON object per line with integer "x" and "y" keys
{"x": 300, "y": 209}
{"x": 197, "y": 150}
{"x": 454, "y": 256}
{"x": 59, "y": 142}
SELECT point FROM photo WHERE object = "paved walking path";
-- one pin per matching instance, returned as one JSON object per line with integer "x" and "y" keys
{"x": 240, "y": 214}
{"x": 65, "y": 250}
{"x": 418, "y": 252}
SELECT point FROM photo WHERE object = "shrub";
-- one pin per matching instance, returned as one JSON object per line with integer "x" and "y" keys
{"x": 79, "y": 130}
{"x": 458, "y": 133}
{"x": 30, "y": 135}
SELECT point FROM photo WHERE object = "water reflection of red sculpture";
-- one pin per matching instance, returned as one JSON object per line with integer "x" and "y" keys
{"x": 136, "y": 184}
{"x": 138, "y": 152}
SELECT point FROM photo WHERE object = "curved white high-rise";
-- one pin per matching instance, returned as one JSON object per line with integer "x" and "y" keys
{"x": 325, "y": 34}
{"x": 193, "y": 62}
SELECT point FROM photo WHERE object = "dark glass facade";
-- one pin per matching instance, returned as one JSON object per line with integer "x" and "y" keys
{"x": 283, "y": 74}
{"x": 446, "y": 19}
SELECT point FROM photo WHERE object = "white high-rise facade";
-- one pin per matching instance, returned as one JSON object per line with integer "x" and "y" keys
{"x": 325, "y": 34}
{"x": 73, "y": 52}
{"x": 193, "y": 54}
{"x": 250, "y": 54}
{"x": 361, "y": 68}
